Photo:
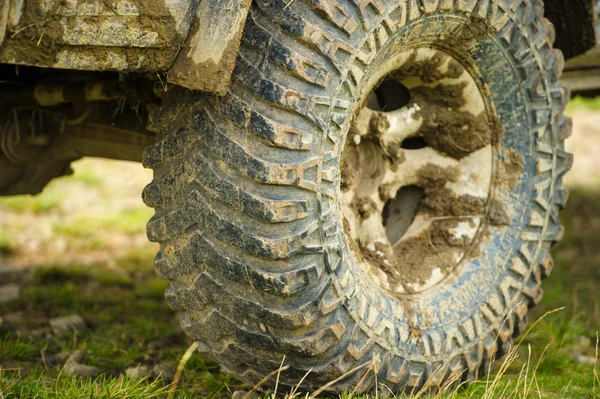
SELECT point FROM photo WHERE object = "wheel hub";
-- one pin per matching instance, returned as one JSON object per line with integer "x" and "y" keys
{"x": 416, "y": 171}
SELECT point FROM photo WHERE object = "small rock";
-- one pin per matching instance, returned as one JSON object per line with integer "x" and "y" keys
{"x": 73, "y": 365}
{"x": 586, "y": 360}
{"x": 59, "y": 359}
{"x": 14, "y": 317}
{"x": 61, "y": 325}
{"x": 164, "y": 371}
{"x": 9, "y": 292}
{"x": 6, "y": 326}
{"x": 81, "y": 370}
{"x": 584, "y": 342}
{"x": 242, "y": 395}
{"x": 137, "y": 373}
{"x": 12, "y": 274}
{"x": 40, "y": 333}
{"x": 77, "y": 356}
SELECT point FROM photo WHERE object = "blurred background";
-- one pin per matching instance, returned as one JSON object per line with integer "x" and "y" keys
{"x": 78, "y": 294}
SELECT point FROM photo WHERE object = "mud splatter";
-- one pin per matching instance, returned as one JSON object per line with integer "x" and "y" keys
{"x": 496, "y": 214}
{"x": 447, "y": 129}
{"x": 432, "y": 69}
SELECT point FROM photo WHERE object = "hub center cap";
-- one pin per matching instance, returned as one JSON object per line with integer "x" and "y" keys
{"x": 416, "y": 171}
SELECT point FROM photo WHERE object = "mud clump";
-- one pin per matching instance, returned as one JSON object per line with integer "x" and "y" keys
{"x": 349, "y": 168}
{"x": 434, "y": 248}
{"x": 37, "y": 38}
{"x": 431, "y": 70}
{"x": 496, "y": 215}
{"x": 435, "y": 177}
{"x": 447, "y": 129}
{"x": 364, "y": 207}
{"x": 441, "y": 201}
{"x": 514, "y": 165}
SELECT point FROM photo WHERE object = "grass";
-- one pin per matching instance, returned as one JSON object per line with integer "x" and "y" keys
{"x": 129, "y": 222}
{"x": 129, "y": 324}
{"x": 583, "y": 103}
{"x": 35, "y": 204}
{"x": 39, "y": 385}
{"x": 7, "y": 246}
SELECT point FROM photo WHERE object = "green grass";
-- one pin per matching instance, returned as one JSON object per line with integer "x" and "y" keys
{"x": 39, "y": 385}
{"x": 583, "y": 103}
{"x": 7, "y": 245}
{"x": 130, "y": 222}
{"x": 36, "y": 204}
{"x": 129, "y": 323}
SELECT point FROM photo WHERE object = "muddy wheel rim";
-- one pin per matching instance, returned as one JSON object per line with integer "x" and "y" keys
{"x": 417, "y": 171}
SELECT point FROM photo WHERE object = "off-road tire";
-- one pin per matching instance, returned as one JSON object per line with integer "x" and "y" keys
{"x": 246, "y": 191}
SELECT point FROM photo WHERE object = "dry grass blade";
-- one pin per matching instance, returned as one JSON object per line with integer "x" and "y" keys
{"x": 184, "y": 359}
{"x": 265, "y": 379}
{"x": 1, "y": 393}
{"x": 548, "y": 313}
{"x": 295, "y": 389}
{"x": 330, "y": 383}
{"x": 596, "y": 378}
{"x": 362, "y": 379}
{"x": 288, "y": 4}
{"x": 274, "y": 396}
{"x": 425, "y": 387}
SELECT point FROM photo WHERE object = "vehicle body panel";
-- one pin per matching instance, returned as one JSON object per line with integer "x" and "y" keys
{"x": 195, "y": 42}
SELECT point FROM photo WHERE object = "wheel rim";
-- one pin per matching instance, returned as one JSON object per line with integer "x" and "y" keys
{"x": 417, "y": 171}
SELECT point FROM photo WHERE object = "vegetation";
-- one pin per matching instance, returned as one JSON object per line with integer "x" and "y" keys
{"x": 113, "y": 287}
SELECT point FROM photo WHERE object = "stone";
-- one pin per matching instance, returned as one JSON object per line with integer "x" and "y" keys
{"x": 242, "y": 395}
{"x": 164, "y": 371}
{"x": 12, "y": 274}
{"x": 77, "y": 356}
{"x": 40, "y": 333}
{"x": 14, "y": 317}
{"x": 59, "y": 359}
{"x": 81, "y": 370}
{"x": 138, "y": 372}
{"x": 9, "y": 292}
{"x": 587, "y": 360}
{"x": 6, "y": 326}
{"x": 61, "y": 325}
{"x": 73, "y": 366}
{"x": 584, "y": 342}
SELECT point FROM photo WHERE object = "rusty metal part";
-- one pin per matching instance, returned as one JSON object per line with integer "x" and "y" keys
{"x": 37, "y": 145}
{"x": 104, "y": 141}
{"x": 402, "y": 198}
{"x": 22, "y": 136}
{"x": 52, "y": 94}
{"x": 208, "y": 57}
{"x": 123, "y": 35}
{"x": 93, "y": 133}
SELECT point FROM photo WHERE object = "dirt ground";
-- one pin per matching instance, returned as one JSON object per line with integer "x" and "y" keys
{"x": 82, "y": 248}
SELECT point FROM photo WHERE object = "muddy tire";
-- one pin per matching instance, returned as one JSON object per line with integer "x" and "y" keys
{"x": 248, "y": 188}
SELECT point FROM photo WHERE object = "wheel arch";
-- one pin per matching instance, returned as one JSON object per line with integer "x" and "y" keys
{"x": 575, "y": 25}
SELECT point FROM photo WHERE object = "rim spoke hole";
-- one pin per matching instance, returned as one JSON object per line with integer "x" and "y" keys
{"x": 414, "y": 143}
{"x": 400, "y": 212}
{"x": 389, "y": 96}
